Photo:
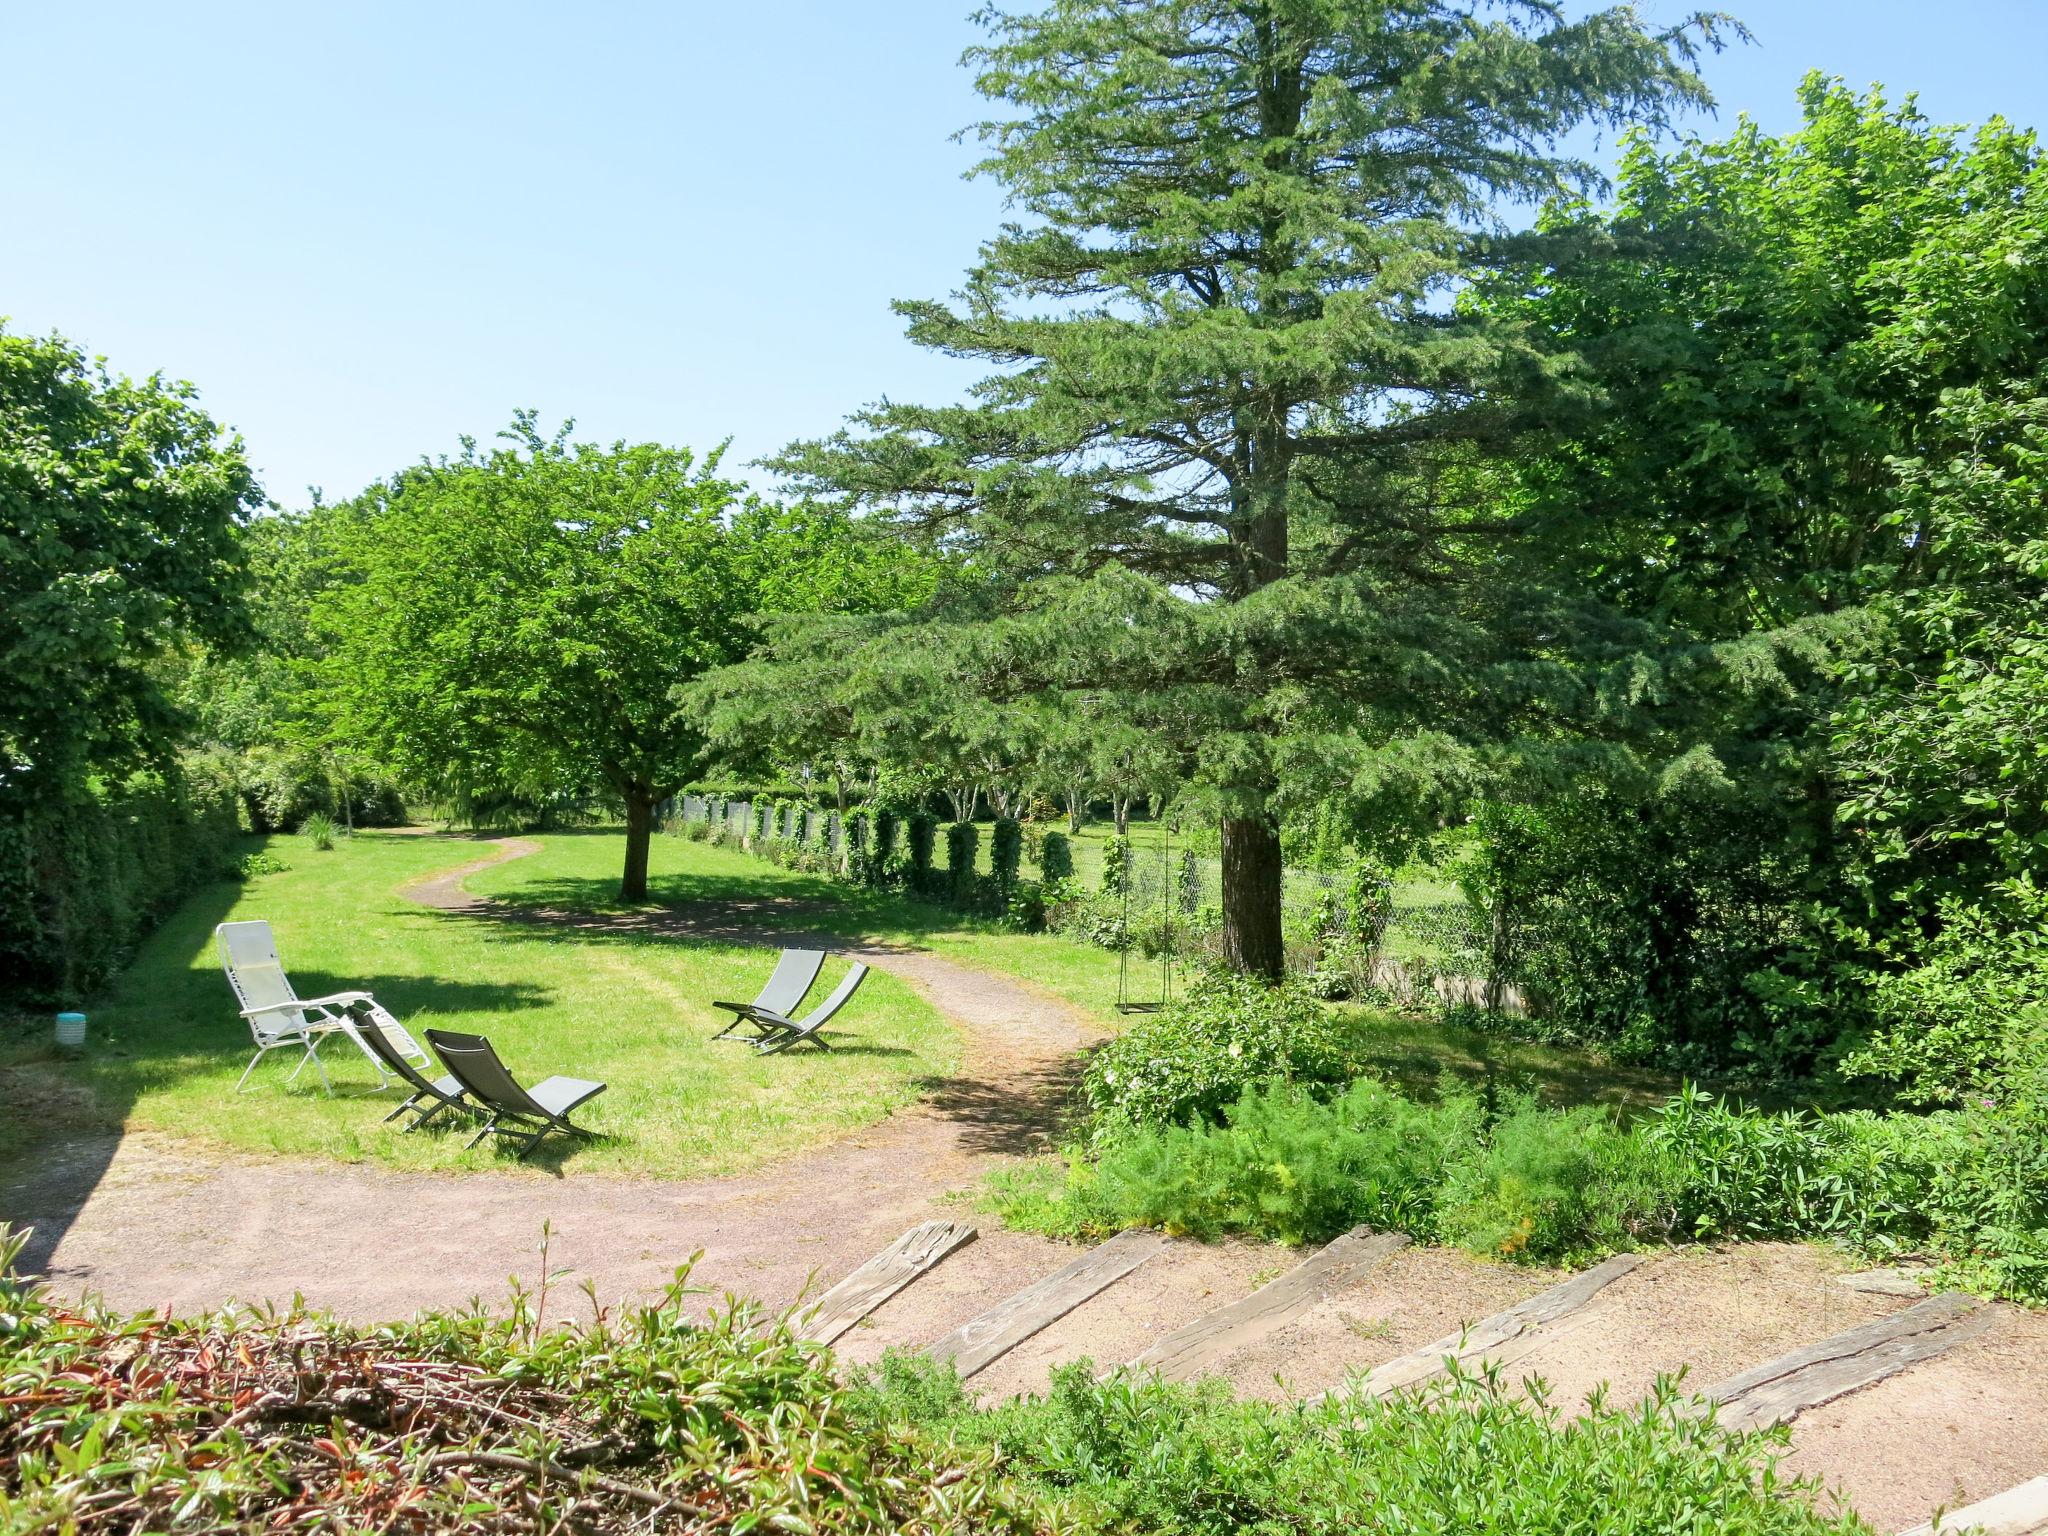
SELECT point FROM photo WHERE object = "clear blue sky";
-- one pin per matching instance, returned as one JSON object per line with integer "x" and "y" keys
{"x": 365, "y": 229}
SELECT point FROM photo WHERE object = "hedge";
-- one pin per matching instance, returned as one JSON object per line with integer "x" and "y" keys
{"x": 83, "y": 879}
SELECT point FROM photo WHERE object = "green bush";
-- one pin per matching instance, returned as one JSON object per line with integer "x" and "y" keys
{"x": 1522, "y": 1182}
{"x": 1465, "y": 1454}
{"x": 281, "y": 786}
{"x": 320, "y": 831}
{"x": 887, "y": 824}
{"x": 83, "y": 879}
{"x": 731, "y": 1415}
{"x": 1005, "y": 850}
{"x": 1203, "y": 1050}
{"x": 922, "y": 834}
{"x": 1055, "y": 858}
{"x": 1116, "y": 863}
{"x": 963, "y": 847}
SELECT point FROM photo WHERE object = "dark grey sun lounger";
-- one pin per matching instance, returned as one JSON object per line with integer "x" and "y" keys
{"x": 808, "y": 1029}
{"x": 428, "y": 1098}
{"x": 791, "y": 979}
{"x": 532, "y": 1112}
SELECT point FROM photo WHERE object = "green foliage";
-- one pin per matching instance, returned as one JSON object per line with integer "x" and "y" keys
{"x": 82, "y": 880}
{"x": 281, "y": 785}
{"x": 963, "y": 844}
{"x": 1005, "y": 851}
{"x": 732, "y": 1423}
{"x": 119, "y": 503}
{"x": 922, "y": 834}
{"x": 1466, "y": 1453}
{"x": 1197, "y": 1055}
{"x": 1116, "y": 864}
{"x": 1949, "y": 1026}
{"x": 1055, "y": 858}
{"x": 520, "y": 618}
{"x": 320, "y": 831}
{"x": 1261, "y": 396}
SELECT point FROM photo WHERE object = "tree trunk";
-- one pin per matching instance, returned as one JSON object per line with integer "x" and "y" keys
{"x": 1077, "y": 808}
{"x": 1120, "y": 806}
{"x": 1251, "y": 897}
{"x": 639, "y": 834}
{"x": 839, "y": 789}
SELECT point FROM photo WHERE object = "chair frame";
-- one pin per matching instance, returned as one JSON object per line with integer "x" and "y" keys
{"x": 311, "y": 1020}
{"x": 372, "y": 1034}
{"x": 809, "y": 1030}
{"x": 516, "y": 1106}
{"x": 764, "y": 1016}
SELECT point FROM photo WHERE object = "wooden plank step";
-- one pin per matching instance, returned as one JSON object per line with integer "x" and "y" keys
{"x": 1780, "y": 1390}
{"x": 2021, "y": 1511}
{"x": 1505, "y": 1337}
{"x": 1208, "y": 1339}
{"x": 882, "y": 1277}
{"x": 981, "y": 1341}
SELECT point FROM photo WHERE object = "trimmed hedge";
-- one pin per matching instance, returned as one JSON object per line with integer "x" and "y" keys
{"x": 82, "y": 880}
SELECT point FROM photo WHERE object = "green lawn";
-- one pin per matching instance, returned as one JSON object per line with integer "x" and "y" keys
{"x": 167, "y": 1046}
{"x": 582, "y": 870}
{"x": 631, "y": 1010}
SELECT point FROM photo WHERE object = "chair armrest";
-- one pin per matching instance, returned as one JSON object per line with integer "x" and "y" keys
{"x": 337, "y": 1000}
{"x": 764, "y": 1016}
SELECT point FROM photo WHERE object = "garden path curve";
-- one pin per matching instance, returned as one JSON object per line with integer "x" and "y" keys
{"x": 169, "y": 1224}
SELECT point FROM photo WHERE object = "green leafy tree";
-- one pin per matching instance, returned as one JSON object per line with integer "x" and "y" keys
{"x": 523, "y": 615}
{"x": 1229, "y": 361}
{"x": 1808, "y": 507}
{"x": 119, "y": 508}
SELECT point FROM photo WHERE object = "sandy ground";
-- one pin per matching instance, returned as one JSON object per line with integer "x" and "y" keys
{"x": 152, "y": 1223}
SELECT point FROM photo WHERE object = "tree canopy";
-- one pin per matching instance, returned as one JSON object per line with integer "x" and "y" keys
{"x": 120, "y": 505}
{"x": 522, "y": 617}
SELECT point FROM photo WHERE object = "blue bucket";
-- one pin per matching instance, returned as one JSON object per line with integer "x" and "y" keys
{"x": 71, "y": 1030}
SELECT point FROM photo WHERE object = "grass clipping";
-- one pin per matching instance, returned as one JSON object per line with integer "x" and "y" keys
{"x": 281, "y": 1421}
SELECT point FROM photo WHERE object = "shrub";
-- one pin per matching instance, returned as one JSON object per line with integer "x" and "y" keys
{"x": 1116, "y": 863}
{"x": 1055, "y": 858}
{"x": 729, "y": 1421}
{"x": 922, "y": 834}
{"x": 1005, "y": 850}
{"x": 963, "y": 846}
{"x": 886, "y": 825}
{"x": 1201, "y": 1052}
{"x": 1024, "y": 906}
{"x": 82, "y": 879}
{"x": 1465, "y": 1453}
{"x": 320, "y": 831}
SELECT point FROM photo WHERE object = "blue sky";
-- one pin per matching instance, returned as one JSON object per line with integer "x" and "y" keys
{"x": 365, "y": 229}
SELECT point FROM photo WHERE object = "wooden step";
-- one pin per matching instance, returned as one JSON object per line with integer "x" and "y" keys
{"x": 1207, "y": 1340}
{"x": 1780, "y": 1390}
{"x": 2021, "y": 1511}
{"x": 882, "y": 1277}
{"x": 1505, "y": 1337}
{"x": 981, "y": 1341}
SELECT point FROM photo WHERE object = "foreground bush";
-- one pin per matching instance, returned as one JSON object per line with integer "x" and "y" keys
{"x": 1137, "y": 1455}
{"x": 1199, "y": 1054}
{"x": 644, "y": 1421}
{"x": 1519, "y": 1181}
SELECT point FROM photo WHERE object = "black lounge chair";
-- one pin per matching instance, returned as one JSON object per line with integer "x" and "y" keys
{"x": 532, "y": 1112}
{"x": 428, "y": 1098}
{"x": 808, "y": 1029}
{"x": 787, "y": 984}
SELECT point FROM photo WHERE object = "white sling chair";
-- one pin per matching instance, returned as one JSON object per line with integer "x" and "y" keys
{"x": 279, "y": 1017}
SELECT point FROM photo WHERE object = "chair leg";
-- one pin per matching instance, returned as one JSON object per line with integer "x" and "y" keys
{"x": 535, "y": 1139}
{"x": 490, "y": 1125}
{"x": 250, "y": 1068}
{"x": 313, "y": 1050}
{"x": 408, "y": 1104}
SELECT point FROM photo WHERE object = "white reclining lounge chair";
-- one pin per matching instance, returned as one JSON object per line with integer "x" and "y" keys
{"x": 279, "y": 1017}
